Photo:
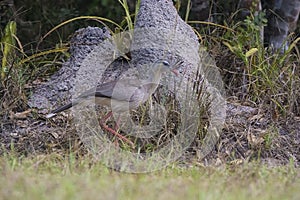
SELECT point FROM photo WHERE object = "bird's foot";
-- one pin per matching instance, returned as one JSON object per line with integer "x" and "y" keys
{"x": 118, "y": 135}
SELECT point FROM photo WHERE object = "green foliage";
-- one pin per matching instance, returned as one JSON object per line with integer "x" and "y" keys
{"x": 127, "y": 17}
{"x": 246, "y": 40}
{"x": 8, "y": 42}
{"x": 263, "y": 69}
{"x": 38, "y": 17}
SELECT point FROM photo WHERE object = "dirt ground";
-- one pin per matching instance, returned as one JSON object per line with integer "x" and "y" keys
{"x": 249, "y": 134}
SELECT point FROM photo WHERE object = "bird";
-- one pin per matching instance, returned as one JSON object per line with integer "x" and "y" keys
{"x": 122, "y": 95}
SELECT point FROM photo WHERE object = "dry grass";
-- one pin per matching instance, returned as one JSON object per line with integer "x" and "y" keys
{"x": 63, "y": 177}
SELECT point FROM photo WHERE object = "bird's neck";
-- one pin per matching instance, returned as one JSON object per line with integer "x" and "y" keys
{"x": 154, "y": 80}
{"x": 155, "y": 77}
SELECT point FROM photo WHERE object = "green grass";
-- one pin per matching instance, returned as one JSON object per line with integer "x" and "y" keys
{"x": 58, "y": 177}
{"x": 250, "y": 70}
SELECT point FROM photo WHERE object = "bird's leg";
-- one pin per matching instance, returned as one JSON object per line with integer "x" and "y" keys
{"x": 106, "y": 117}
{"x": 117, "y": 123}
{"x": 103, "y": 125}
{"x": 117, "y": 134}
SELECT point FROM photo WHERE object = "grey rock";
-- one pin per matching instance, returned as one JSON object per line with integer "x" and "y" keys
{"x": 161, "y": 33}
{"x": 156, "y": 21}
{"x": 57, "y": 89}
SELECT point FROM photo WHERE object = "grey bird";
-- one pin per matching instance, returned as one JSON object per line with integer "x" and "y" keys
{"x": 122, "y": 95}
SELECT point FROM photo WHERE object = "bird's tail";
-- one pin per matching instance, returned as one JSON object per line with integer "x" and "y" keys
{"x": 60, "y": 109}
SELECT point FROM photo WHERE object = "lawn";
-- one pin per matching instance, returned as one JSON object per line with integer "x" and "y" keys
{"x": 57, "y": 177}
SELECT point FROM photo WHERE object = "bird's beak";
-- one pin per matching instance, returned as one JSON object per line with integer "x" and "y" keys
{"x": 176, "y": 67}
{"x": 175, "y": 71}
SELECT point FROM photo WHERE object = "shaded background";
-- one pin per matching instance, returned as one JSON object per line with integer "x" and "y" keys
{"x": 36, "y": 17}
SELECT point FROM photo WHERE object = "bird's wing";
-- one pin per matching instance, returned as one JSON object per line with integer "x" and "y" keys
{"x": 104, "y": 90}
{"x": 120, "y": 90}
{"x": 125, "y": 89}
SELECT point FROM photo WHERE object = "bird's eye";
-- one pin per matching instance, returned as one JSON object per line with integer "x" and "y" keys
{"x": 166, "y": 63}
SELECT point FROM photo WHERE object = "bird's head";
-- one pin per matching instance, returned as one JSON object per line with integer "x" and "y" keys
{"x": 164, "y": 66}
